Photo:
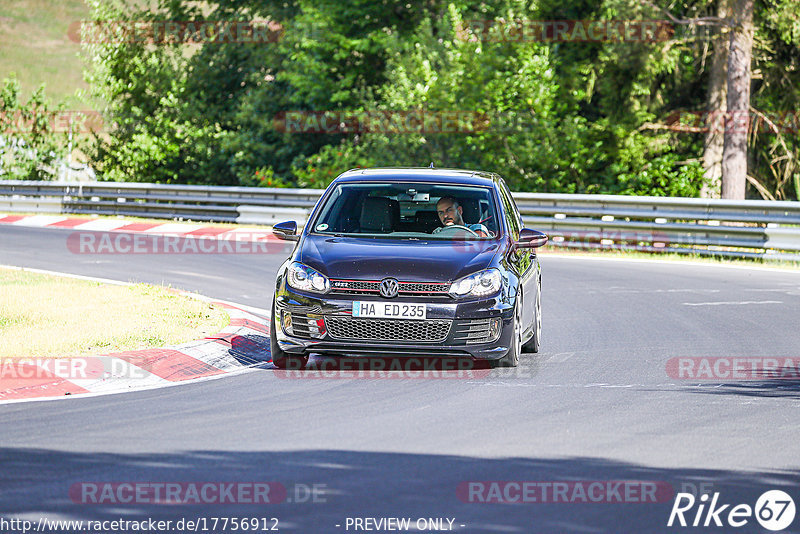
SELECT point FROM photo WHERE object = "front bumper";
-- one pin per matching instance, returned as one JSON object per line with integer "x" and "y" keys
{"x": 462, "y": 315}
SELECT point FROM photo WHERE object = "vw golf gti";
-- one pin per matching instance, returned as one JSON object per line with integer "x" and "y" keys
{"x": 409, "y": 262}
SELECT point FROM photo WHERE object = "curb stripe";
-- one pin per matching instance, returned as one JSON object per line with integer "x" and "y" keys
{"x": 40, "y": 221}
{"x": 100, "y": 225}
{"x": 174, "y": 228}
{"x": 136, "y": 227}
{"x": 209, "y": 231}
{"x": 169, "y": 364}
{"x": 122, "y": 375}
{"x": 239, "y": 347}
{"x": 259, "y": 327}
{"x": 66, "y": 223}
{"x": 187, "y": 230}
{"x": 45, "y": 384}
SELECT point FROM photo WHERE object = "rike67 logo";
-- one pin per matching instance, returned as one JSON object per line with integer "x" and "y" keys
{"x": 774, "y": 510}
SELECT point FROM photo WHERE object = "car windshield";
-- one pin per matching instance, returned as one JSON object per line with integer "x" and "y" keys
{"x": 409, "y": 211}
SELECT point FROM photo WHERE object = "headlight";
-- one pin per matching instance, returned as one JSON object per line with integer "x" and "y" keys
{"x": 305, "y": 278}
{"x": 479, "y": 284}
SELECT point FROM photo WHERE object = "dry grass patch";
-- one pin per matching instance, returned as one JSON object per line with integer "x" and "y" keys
{"x": 36, "y": 46}
{"x": 51, "y": 316}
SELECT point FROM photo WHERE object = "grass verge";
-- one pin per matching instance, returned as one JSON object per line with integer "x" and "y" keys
{"x": 50, "y": 316}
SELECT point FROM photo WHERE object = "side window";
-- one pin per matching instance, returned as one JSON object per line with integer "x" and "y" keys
{"x": 510, "y": 209}
{"x": 515, "y": 221}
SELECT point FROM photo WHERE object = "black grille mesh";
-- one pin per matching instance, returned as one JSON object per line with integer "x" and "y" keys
{"x": 387, "y": 329}
{"x": 414, "y": 287}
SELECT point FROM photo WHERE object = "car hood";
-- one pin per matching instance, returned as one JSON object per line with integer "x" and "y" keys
{"x": 375, "y": 258}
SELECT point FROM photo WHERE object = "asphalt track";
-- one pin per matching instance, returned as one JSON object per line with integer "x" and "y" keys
{"x": 596, "y": 404}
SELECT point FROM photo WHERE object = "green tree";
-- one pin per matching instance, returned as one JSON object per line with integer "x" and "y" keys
{"x": 31, "y": 148}
{"x": 587, "y": 116}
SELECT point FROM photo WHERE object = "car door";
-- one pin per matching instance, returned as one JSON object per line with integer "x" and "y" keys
{"x": 523, "y": 260}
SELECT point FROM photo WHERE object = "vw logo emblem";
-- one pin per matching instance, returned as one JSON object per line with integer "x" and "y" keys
{"x": 389, "y": 288}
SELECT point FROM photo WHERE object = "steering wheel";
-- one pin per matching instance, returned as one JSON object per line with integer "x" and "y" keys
{"x": 457, "y": 228}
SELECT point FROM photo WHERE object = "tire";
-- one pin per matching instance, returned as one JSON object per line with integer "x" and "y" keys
{"x": 511, "y": 358}
{"x": 535, "y": 341}
{"x": 280, "y": 358}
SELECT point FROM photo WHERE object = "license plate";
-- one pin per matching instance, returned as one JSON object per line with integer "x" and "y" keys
{"x": 388, "y": 310}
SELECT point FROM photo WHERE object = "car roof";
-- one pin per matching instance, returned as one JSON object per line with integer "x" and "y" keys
{"x": 419, "y": 174}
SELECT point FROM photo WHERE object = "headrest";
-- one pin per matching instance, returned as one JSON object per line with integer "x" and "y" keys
{"x": 427, "y": 221}
{"x": 470, "y": 210}
{"x": 379, "y": 214}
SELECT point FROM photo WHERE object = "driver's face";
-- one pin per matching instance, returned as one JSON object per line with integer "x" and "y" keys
{"x": 448, "y": 213}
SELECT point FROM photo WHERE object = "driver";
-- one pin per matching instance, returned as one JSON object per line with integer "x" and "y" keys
{"x": 451, "y": 214}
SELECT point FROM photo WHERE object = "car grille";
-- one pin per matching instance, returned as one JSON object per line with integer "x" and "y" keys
{"x": 349, "y": 328}
{"x": 367, "y": 287}
{"x": 471, "y": 331}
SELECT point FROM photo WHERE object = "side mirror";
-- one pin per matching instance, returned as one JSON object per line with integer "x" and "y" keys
{"x": 286, "y": 231}
{"x": 531, "y": 238}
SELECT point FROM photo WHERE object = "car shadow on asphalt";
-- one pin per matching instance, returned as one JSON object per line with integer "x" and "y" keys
{"x": 250, "y": 349}
{"x": 254, "y": 350}
{"x": 321, "y": 362}
{"x": 315, "y": 490}
{"x": 775, "y": 388}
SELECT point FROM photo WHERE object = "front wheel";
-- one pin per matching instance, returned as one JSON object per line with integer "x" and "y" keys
{"x": 535, "y": 341}
{"x": 280, "y": 358}
{"x": 511, "y": 358}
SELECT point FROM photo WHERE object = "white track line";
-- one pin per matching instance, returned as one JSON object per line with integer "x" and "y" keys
{"x": 68, "y": 275}
{"x": 732, "y": 303}
{"x": 546, "y": 255}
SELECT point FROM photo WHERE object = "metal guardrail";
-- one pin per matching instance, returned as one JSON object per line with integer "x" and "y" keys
{"x": 253, "y": 205}
{"x": 749, "y": 228}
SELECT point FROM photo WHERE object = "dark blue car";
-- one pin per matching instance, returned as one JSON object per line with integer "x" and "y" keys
{"x": 409, "y": 262}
